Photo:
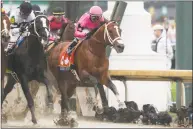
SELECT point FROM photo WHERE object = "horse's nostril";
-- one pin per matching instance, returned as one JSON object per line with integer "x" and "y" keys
{"x": 121, "y": 46}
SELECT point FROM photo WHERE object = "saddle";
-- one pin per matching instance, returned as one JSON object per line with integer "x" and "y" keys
{"x": 66, "y": 62}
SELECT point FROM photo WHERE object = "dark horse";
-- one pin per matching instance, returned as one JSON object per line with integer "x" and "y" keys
{"x": 91, "y": 64}
{"x": 28, "y": 60}
{"x": 67, "y": 31}
{"x": 5, "y": 36}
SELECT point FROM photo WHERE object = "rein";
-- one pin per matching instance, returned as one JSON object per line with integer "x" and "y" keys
{"x": 106, "y": 32}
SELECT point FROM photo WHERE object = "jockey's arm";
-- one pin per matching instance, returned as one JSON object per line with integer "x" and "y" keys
{"x": 78, "y": 31}
{"x": 81, "y": 25}
{"x": 17, "y": 21}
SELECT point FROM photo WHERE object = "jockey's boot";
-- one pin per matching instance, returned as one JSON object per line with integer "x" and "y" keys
{"x": 72, "y": 45}
{"x": 10, "y": 48}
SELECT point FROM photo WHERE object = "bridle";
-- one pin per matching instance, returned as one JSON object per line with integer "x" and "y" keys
{"x": 45, "y": 27}
{"x": 106, "y": 34}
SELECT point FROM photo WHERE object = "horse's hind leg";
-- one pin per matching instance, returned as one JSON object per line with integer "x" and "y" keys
{"x": 25, "y": 88}
{"x": 65, "y": 117}
{"x": 46, "y": 81}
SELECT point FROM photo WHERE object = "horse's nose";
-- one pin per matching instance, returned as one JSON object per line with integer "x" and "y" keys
{"x": 121, "y": 46}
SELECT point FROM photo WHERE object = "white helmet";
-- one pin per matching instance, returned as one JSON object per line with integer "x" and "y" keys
{"x": 158, "y": 27}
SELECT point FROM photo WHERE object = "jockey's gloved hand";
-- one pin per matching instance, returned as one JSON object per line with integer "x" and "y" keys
{"x": 87, "y": 34}
{"x": 22, "y": 29}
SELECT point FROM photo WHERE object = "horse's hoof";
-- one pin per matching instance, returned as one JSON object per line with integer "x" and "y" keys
{"x": 34, "y": 122}
{"x": 122, "y": 105}
{"x": 73, "y": 123}
{"x": 99, "y": 110}
{"x": 61, "y": 122}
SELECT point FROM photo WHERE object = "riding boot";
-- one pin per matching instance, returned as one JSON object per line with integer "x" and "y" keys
{"x": 72, "y": 45}
{"x": 10, "y": 48}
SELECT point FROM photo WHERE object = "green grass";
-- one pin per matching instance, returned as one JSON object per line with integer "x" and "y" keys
{"x": 173, "y": 91}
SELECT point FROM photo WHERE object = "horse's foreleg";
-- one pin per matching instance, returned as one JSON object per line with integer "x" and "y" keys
{"x": 25, "y": 88}
{"x": 106, "y": 80}
{"x": 5, "y": 91}
{"x": 98, "y": 105}
{"x": 102, "y": 95}
{"x": 8, "y": 87}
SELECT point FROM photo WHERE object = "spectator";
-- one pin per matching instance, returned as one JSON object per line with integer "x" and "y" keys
{"x": 172, "y": 33}
{"x": 162, "y": 44}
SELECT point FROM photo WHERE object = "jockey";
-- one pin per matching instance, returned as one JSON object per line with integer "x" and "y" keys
{"x": 36, "y": 9}
{"x": 56, "y": 22}
{"x": 23, "y": 15}
{"x": 88, "y": 21}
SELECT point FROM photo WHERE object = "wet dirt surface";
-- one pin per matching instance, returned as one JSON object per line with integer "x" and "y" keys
{"x": 84, "y": 122}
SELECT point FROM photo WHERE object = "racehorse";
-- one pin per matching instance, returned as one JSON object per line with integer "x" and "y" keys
{"x": 28, "y": 60}
{"x": 5, "y": 28}
{"x": 67, "y": 31}
{"x": 3, "y": 69}
{"x": 90, "y": 64}
{"x": 5, "y": 36}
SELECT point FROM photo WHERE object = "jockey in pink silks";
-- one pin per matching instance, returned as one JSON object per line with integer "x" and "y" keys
{"x": 89, "y": 21}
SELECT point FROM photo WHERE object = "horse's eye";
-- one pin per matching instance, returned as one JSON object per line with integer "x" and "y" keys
{"x": 110, "y": 32}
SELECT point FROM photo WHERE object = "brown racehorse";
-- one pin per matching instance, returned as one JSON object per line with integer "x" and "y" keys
{"x": 5, "y": 27}
{"x": 91, "y": 64}
{"x": 67, "y": 32}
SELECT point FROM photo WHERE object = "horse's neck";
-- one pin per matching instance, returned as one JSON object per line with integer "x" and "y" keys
{"x": 96, "y": 48}
{"x": 67, "y": 33}
{"x": 96, "y": 43}
{"x": 32, "y": 31}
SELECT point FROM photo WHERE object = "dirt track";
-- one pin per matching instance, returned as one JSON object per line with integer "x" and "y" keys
{"x": 47, "y": 121}
{"x": 83, "y": 123}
